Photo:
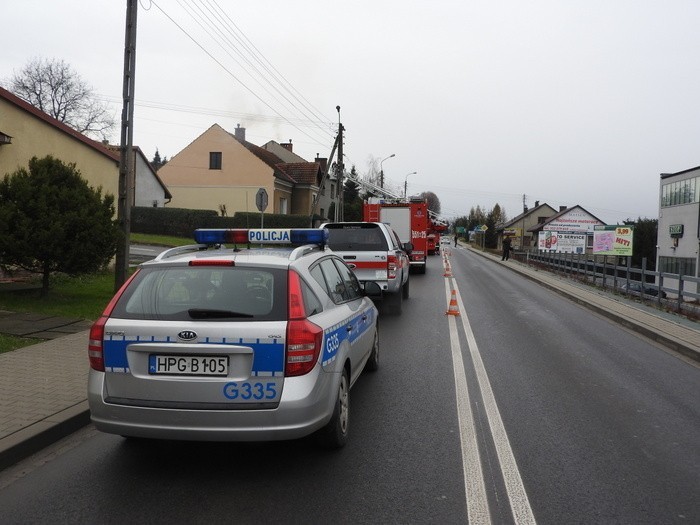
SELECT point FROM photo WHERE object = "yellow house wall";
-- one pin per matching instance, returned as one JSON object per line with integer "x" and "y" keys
{"x": 302, "y": 201}
{"x": 194, "y": 186}
{"x": 31, "y": 137}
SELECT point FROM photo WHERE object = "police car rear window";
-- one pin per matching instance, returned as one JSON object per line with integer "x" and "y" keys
{"x": 205, "y": 293}
{"x": 360, "y": 237}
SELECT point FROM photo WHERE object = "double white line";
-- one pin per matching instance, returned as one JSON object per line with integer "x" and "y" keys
{"x": 477, "y": 502}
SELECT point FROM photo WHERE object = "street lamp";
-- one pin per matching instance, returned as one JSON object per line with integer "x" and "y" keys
{"x": 381, "y": 170}
{"x": 405, "y": 183}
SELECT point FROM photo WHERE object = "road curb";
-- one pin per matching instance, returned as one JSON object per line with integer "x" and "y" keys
{"x": 31, "y": 439}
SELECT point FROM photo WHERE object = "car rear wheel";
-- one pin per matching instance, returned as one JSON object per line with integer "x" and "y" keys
{"x": 335, "y": 433}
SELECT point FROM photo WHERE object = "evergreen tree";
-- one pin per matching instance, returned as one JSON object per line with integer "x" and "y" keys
{"x": 352, "y": 202}
{"x": 644, "y": 241}
{"x": 157, "y": 161}
{"x": 52, "y": 221}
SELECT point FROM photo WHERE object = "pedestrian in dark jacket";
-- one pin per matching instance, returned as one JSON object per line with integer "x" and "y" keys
{"x": 506, "y": 249}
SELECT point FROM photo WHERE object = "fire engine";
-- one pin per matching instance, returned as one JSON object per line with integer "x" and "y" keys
{"x": 409, "y": 217}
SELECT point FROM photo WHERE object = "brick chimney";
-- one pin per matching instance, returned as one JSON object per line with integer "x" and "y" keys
{"x": 288, "y": 146}
{"x": 323, "y": 162}
{"x": 239, "y": 133}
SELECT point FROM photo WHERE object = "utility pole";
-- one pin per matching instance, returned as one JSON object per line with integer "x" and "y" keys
{"x": 338, "y": 144}
{"x": 126, "y": 159}
{"x": 340, "y": 169}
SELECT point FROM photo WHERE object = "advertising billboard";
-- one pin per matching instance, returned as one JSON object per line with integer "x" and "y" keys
{"x": 613, "y": 240}
{"x": 561, "y": 242}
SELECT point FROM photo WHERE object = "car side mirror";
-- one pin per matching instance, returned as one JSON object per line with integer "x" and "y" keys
{"x": 372, "y": 290}
{"x": 407, "y": 247}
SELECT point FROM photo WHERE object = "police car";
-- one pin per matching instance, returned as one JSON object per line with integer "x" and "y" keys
{"x": 222, "y": 341}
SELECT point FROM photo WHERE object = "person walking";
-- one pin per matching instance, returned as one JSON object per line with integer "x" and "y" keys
{"x": 506, "y": 249}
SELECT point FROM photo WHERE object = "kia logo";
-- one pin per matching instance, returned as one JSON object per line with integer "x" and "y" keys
{"x": 187, "y": 335}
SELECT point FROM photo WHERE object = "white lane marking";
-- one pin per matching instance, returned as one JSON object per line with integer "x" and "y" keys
{"x": 477, "y": 502}
{"x": 519, "y": 502}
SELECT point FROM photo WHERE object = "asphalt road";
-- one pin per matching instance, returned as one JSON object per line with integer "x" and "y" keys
{"x": 525, "y": 408}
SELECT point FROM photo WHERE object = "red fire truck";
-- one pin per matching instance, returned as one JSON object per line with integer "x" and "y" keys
{"x": 409, "y": 219}
{"x": 436, "y": 227}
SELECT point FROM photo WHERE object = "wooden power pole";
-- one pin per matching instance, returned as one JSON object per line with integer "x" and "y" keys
{"x": 126, "y": 160}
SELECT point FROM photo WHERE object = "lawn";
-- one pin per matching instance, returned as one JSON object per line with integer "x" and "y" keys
{"x": 12, "y": 342}
{"x": 83, "y": 297}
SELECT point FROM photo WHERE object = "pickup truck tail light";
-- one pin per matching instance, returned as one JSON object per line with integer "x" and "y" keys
{"x": 392, "y": 266}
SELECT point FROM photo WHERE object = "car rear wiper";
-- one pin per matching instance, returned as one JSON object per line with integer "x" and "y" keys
{"x": 203, "y": 313}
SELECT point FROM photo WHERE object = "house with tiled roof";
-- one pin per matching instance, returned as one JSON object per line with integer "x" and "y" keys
{"x": 568, "y": 231}
{"x": 29, "y": 132}
{"x": 517, "y": 229}
{"x": 222, "y": 171}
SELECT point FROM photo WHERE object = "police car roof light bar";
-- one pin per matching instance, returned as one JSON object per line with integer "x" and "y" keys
{"x": 293, "y": 236}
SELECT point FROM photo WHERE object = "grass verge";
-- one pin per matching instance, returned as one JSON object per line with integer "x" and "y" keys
{"x": 12, "y": 342}
{"x": 83, "y": 297}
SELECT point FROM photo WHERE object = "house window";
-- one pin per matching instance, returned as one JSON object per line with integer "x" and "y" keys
{"x": 332, "y": 191}
{"x": 214, "y": 160}
{"x": 283, "y": 206}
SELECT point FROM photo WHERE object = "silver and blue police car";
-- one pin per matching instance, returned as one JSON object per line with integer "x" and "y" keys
{"x": 222, "y": 341}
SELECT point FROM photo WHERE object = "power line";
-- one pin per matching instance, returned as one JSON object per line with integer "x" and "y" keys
{"x": 227, "y": 70}
{"x": 207, "y": 21}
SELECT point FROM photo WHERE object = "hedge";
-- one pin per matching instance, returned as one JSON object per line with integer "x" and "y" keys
{"x": 181, "y": 222}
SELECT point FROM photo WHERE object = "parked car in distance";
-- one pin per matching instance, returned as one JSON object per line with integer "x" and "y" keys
{"x": 375, "y": 253}
{"x": 212, "y": 342}
{"x": 635, "y": 287}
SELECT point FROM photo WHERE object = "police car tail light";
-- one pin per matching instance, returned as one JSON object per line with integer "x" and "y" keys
{"x": 95, "y": 354}
{"x": 392, "y": 266}
{"x": 97, "y": 331}
{"x": 303, "y": 336}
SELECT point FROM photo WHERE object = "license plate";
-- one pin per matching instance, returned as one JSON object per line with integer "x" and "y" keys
{"x": 188, "y": 365}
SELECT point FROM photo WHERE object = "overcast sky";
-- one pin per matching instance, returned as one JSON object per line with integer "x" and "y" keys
{"x": 566, "y": 102}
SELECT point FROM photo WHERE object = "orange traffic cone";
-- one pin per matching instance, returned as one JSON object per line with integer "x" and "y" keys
{"x": 453, "y": 310}
{"x": 448, "y": 270}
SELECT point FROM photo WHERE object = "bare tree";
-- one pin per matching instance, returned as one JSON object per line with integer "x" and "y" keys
{"x": 54, "y": 87}
{"x": 433, "y": 201}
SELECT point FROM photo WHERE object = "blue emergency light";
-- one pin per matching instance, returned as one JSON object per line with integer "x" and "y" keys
{"x": 293, "y": 236}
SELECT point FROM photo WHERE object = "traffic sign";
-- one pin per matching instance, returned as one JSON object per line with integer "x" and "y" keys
{"x": 261, "y": 199}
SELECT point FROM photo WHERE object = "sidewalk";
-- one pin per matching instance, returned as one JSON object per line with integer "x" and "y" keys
{"x": 43, "y": 387}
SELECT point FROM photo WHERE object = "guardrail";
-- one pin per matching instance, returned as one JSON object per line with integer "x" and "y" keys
{"x": 669, "y": 289}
